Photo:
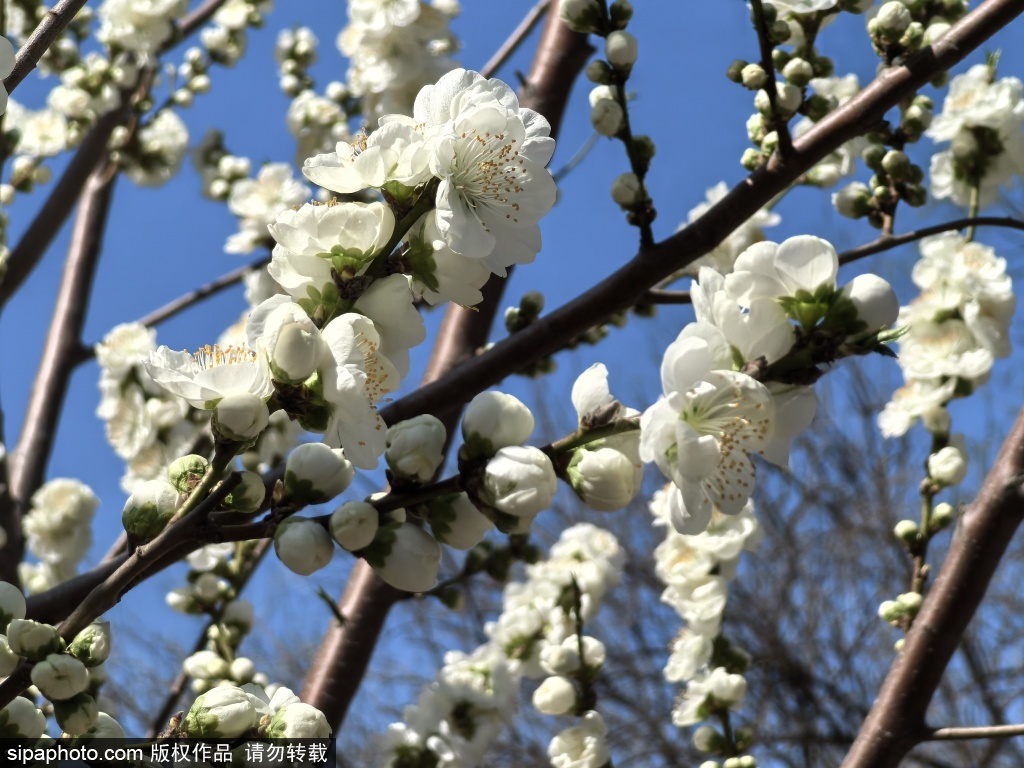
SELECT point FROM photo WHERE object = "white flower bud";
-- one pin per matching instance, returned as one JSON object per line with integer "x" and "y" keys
{"x": 580, "y": 15}
{"x": 942, "y": 515}
{"x": 789, "y": 98}
{"x": 91, "y": 646}
{"x": 455, "y": 521}
{"x": 520, "y": 481}
{"x": 606, "y": 114}
{"x": 186, "y": 472}
{"x": 354, "y": 525}
{"x": 209, "y": 587}
{"x": 316, "y": 473}
{"x": 77, "y": 714}
{"x": 706, "y": 739}
{"x": 413, "y": 560}
{"x": 415, "y": 448}
{"x": 906, "y": 531}
{"x": 798, "y": 71}
{"x": 936, "y": 31}
{"x": 753, "y": 77}
{"x": 296, "y": 353}
{"x": 620, "y": 48}
{"x": 33, "y": 640}
{"x": 247, "y": 497}
{"x": 303, "y": 545}
{"x": 605, "y": 479}
{"x": 555, "y": 696}
{"x": 853, "y": 200}
{"x": 223, "y": 712}
{"x": 206, "y": 665}
{"x": 564, "y": 659}
{"x": 21, "y": 719}
{"x": 948, "y": 466}
{"x": 8, "y": 658}
{"x": 106, "y": 727}
{"x": 911, "y": 601}
{"x": 890, "y": 611}
{"x": 242, "y": 670}
{"x": 60, "y": 676}
{"x": 298, "y": 721}
{"x": 240, "y": 417}
{"x": 937, "y": 420}
{"x": 626, "y": 190}
{"x": 12, "y": 605}
{"x": 150, "y": 508}
{"x": 727, "y": 689}
{"x": 893, "y": 19}
{"x": 493, "y": 421}
{"x": 239, "y": 613}
{"x": 874, "y": 299}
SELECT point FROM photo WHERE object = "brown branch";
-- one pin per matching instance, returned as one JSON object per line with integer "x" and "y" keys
{"x": 896, "y": 720}
{"x": 190, "y": 23}
{"x": 888, "y": 242}
{"x": 56, "y": 364}
{"x": 341, "y": 661}
{"x": 519, "y": 34}
{"x": 627, "y": 286}
{"x": 48, "y": 30}
{"x": 976, "y": 732}
{"x": 662, "y": 296}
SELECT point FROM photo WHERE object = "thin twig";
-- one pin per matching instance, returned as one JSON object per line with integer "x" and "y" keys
{"x": 519, "y": 34}
{"x": 662, "y": 296}
{"x": 778, "y": 122}
{"x": 48, "y": 30}
{"x": 888, "y": 242}
{"x": 975, "y": 732}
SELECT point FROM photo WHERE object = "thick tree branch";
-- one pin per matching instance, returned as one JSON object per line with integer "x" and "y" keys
{"x": 48, "y": 30}
{"x": 896, "y": 720}
{"x": 627, "y": 286}
{"x": 344, "y": 654}
{"x": 56, "y": 364}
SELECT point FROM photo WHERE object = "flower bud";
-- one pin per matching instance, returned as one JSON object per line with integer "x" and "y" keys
{"x": 187, "y": 472}
{"x": 789, "y": 99}
{"x": 242, "y": 670}
{"x": 605, "y": 479}
{"x": 316, "y": 473}
{"x": 606, "y": 116}
{"x": 942, "y": 516}
{"x": 853, "y": 201}
{"x": 520, "y": 481}
{"x": 564, "y": 659}
{"x": 582, "y": 16}
{"x": 621, "y": 11}
{"x": 874, "y": 299}
{"x": 303, "y": 545}
{"x": 247, "y": 497}
{"x": 896, "y": 163}
{"x": 891, "y": 611}
{"x": 33, "y": 640}
{"x": 906, "y": 531}
{"x": 91, "y": 646}
{"x": 626, "y": 190}
{"x": 798, "y": 71}
{"x": 106, "y": 727}
{"x": 493, "y": 421}
{"x": 599, "y": 72}
{"x": 240, "y": 614}
{"x": 911, "y": 602}
{"x": 240, "y": 417}
{"x": 706, "y": 739}
{"x": 12, "y": 605}
{"x": 224, "y": 712}
{"x": 206, "y": 665}
{"x": 354, "y": 525}
{"x": 555, "y": 696}
{"x": 735, "y": 70}
{"x": 150, "y": 508}
{"x": 948, "y": 466}
{"x": 620, "y": 48}
{"x": 415, "y": 448}
{"x": 60, "y": 676}
{"x": 455, "y": 521}
{"x": 21, "y": 719}
{"x": 411, "y": 559}
{"x": 296, "y": 353}
{"x": 727, "y": 689}
{"x": 937, "y": 421}
{"x": 8, "y": 658}
{"x": 298, "y": 721}
{"x": 77, "y": 714}
{"x": 753, "y": 77}
{"x": 892, "y": 21}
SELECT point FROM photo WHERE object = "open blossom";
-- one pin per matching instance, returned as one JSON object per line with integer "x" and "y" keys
{"x": 702, "y": 431}
{"x": 396, "y": 152}
{"x": 772, "y": 270}
{"x": 162, "y": 144}
{"x": 211, "y": 374}
{"x": 258, "y": 201}
{"x": 490, "y": 156}
{"x": 138, "y": 25}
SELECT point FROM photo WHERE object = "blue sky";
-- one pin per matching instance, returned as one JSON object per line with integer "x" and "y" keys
{"x": 160, "y": 243}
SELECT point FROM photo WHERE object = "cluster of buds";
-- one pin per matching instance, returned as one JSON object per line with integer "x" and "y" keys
{"x": 295, "y": 52}
{"x": 903, "y": 27}
{"x": 193, "y": 77}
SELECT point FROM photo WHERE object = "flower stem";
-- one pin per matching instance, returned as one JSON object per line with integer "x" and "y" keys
{"x": 975, "y": 205}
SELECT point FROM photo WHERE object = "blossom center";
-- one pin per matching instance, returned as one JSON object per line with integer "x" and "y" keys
{"x": 214, "y": 356}
{"x": 488, "y": 170}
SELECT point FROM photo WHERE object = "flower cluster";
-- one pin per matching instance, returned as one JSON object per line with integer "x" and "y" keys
{"x": 144, "y": 426}
{"x": 735, "y": 381}
{"x": 226, "y": 37}
{"x": 257, "y": 201}
{"x": 696, "y": 571}
{"x": 957, "y": 327}
{"x": 394, "y": 49}
{"x": 153, "y": 154}
{"x": 229, "y": 711}
{"x": 460, "y": 714}
{"x": 139, "y": 27}
{"x": 58, "y": 531}
{"x": 983, "y": 118}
